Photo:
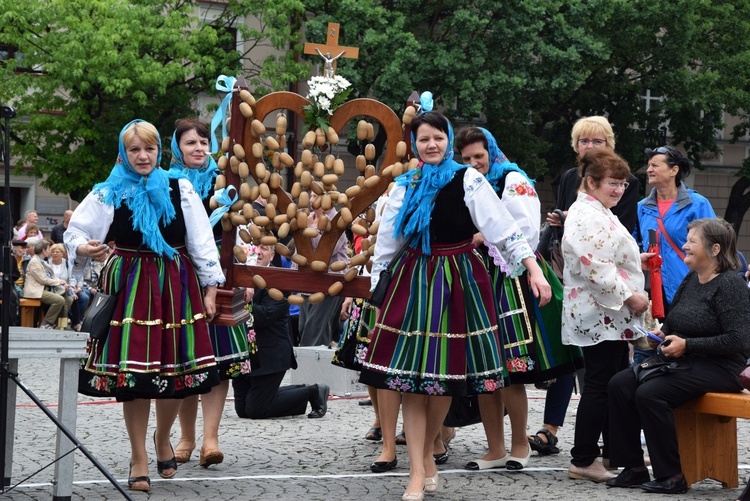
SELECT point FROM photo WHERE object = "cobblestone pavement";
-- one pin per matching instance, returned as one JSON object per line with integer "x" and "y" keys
{"x": 299, "y": 458}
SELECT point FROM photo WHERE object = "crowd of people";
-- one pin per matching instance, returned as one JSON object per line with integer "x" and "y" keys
{"x": 472, "y": 311}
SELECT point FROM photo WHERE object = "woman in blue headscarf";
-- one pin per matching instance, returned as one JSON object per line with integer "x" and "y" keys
{"x": 530, "y": 335}
{"x": 190, "y": 160}
{"x": 436, "y": 335}
{"x": 158, "y": 344}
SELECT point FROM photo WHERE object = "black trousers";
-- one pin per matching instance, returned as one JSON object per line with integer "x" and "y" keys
{"x": 263, "y": 397}
{"x": 649, "y": 405}
{"x": 603, "y": 361}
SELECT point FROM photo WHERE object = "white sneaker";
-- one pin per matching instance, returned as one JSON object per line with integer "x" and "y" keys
{"x": 45, "y": 325}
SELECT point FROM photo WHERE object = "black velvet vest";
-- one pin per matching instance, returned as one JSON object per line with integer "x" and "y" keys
{"x": 123, "y": 233}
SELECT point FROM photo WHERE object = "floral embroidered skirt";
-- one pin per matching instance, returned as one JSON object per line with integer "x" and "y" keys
{"x": 530, "y": 335}
{"x": 354, "y": 337}
{"x": 158, "y": 344}
{"x": 437, "y": 330}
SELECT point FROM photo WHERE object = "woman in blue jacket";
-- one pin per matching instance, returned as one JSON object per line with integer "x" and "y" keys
{"x": 668, "y": 210}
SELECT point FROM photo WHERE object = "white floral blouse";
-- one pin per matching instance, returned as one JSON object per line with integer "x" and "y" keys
{"x": 602, "y": 270}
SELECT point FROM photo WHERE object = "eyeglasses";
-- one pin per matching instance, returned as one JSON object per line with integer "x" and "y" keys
{"x": 593, "y": 142}
{"x": 617, "y": 184}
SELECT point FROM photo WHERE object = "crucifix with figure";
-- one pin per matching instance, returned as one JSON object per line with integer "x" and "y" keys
{"x": 331, "y": 47}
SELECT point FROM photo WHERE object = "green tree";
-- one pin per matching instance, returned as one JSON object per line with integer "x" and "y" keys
{"x": 530, "y": 68}
{"x": 84, "y": 68}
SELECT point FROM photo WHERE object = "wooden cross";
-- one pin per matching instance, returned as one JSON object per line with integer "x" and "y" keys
{"x": 332, "y": 49}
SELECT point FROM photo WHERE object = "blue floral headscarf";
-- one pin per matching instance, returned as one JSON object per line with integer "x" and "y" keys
{"x": 146, "y": 196}
{"x": 499, "y": 163}
{"x": 201, "y": 178}
{"x": 422, "y": 186}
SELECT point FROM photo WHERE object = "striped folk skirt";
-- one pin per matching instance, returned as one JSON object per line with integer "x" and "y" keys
{"x": 437, "y": 330}
{"x": 530, "y": 335}
{"x": 158, "y": 344}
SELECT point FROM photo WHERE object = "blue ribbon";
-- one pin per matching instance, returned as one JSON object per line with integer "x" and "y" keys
{"x": 225, "y": 201}
{"x": 425, "y": 101}
{"x": 223, "y": 84}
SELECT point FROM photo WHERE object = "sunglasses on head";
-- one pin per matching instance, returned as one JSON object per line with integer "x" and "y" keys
{"x": 665, "y": 150}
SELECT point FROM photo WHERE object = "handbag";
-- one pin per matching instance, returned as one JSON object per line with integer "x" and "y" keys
{"x": 99, "y": 314}
{"x": 464, "y": 411}
{"x": 550, "y": 245}
{"x": 658, "y": 365}
{"x": 378, "y": 294}
{"x": 745, "y": 377}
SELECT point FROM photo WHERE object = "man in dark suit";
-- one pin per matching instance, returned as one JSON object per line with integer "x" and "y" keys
{"x": 259, "y": 395}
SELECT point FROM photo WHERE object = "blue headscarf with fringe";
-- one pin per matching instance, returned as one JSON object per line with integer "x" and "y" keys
{"x": 201, "y": 178}
{"x": 499, "y": 163}
{"x": 422, "y": 186}
{"x": 146, "y": 196}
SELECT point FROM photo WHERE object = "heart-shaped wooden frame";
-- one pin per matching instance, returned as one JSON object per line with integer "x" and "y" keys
{"x": 306, "y": 280}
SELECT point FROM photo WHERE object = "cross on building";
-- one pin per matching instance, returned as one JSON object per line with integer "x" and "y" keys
{"x": 331, "y": 51}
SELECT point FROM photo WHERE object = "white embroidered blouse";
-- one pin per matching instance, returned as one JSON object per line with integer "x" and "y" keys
{"x": 602, "y": 270}
{"x": 92, "y": 218}
{"x": 488, "y": 213}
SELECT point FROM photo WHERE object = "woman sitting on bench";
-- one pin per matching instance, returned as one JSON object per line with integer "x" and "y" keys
{"x": 707, "y": 332}
{"x": 40, "y": 277}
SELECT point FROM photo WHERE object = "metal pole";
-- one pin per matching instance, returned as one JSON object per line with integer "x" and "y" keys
{"x": 7, "y": 113}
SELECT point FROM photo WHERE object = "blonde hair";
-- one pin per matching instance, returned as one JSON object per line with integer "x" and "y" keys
{"x": 59, "y": 247}
{"x": 592, "y": 126}
{"x": 143, "y": 130}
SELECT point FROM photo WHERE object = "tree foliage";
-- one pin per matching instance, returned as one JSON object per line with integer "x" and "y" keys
{"x": 90, "y": 66}
{"x": 525, "y": 68}
{"x": 530, "y": 68}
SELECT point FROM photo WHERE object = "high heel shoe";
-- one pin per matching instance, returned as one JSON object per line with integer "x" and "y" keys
{"x": 207, "y": 458}
{"x": 170, "y": 464}
{"x": 183, "y": 455}
{"x": 413, "y": 496}
{"x": 514, "y": 463}
{"x": 432, "y": 484}
{"x": 135, "y": 480}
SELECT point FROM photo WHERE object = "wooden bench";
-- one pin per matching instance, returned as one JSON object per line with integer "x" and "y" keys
{"x": 31, "y": 312}
{"x": 707, "y": 436}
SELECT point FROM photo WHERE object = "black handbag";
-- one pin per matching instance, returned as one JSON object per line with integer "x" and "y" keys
{"x": 99, "y": 314}
{"x": 378, "y": 294}
{"x": 464, "y": 411}
{"x": 658, "y": 365}
{"x": 550, "y": 245}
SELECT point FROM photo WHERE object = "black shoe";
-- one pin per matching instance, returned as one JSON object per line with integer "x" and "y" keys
{"x": 441, "y": 458}
{"x": 629, "y": 477}
{"x": 366, "y": 401}
{"x": 383, "y": 466}
{"x": 669, "y": 485}
{"x": 320, "y": 407}
{"x": 745, "y": 496}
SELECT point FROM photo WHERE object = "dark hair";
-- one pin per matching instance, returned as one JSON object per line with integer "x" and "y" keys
{"x": 184, "y": 125}
{"x": 599, "y": 163}
{"x": 673, "y": 158}
{"x": 717, "y": 231}
{"x": 470, "y": 135}
{"x": 434, "y": 118}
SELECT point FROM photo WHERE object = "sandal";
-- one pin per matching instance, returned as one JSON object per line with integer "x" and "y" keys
{"x": 401, "y": 438}
{"x": 375, "y": 434}
{"x": 132, "y": 481}
{"x": 540, "y": 446}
